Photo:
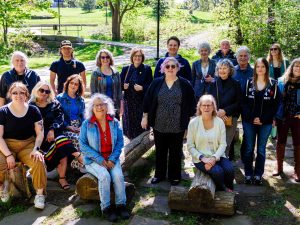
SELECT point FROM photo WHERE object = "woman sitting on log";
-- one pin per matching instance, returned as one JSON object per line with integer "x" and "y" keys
{"x": 57, "y": 147}
{"x": 21, "y": 135}
{"x": 206, "y": 141}
{"x": 101, "y": 141}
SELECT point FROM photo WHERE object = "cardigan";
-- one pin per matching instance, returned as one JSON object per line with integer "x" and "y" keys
{"x": 197, "y": 141}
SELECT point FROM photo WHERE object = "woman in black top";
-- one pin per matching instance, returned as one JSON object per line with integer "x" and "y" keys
{"x": 19, "y": 124}
{"x": 168, "y": 105}
{"x": 135, "y": 79}
{"x": 227, "y": 92}
{"x": 57, "y": 147}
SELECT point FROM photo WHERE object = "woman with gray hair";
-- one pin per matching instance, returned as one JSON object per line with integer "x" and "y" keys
{"x": 106, "y": 80}
{"x": 101, "y": 141}
{"x": 168, "y": 105}
{"x": 56, "y": 147}
{"x": 203, "y": 70}
{"x": 19, "y": 72}
{"x": 228, "y": 95}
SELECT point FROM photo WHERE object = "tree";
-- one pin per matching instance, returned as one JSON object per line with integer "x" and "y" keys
{"x": 14, "y": 12}
{"x": 163, "y": 7}
{"x": 88, "y": 5}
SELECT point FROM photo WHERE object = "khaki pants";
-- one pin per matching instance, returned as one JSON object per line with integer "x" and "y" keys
{"x": 21, "y": 150}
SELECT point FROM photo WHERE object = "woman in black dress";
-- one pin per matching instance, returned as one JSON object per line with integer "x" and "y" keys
{"x": 135, "y": 79}
{"x": 57, "y": 147}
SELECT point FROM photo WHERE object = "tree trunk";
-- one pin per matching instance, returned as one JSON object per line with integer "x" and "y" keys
{"x": 271, "y": 19}
{"x": 238, "y": 35}
{"x": 5, "y": 30}
{"x": 116, "y": 21}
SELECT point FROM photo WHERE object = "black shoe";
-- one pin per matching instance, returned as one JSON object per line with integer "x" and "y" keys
{"x": 257, "y": 180}
{"x": 248, "y": 180}
{"x": 122, "y": 212}
{"x": 110, "y": 214}
{"x": 156, "y": 180}
{"x": 174, "y": 182}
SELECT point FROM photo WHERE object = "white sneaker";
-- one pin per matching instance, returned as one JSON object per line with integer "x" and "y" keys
{"x": 39, "y": 201}
{"x": 4, "y": 195}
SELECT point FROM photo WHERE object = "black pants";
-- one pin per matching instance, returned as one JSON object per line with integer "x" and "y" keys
{"x": 168, "y": 143}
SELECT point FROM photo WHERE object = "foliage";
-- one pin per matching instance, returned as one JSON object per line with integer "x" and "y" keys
{"x": 262, "y": 23}
{"x": 88, "y": 5}
{"x": 163, "y": 9}
{"x": 72, "y": 3}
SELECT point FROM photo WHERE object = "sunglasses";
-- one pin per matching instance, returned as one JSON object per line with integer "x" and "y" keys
{"x": 18, "y": 93}
{"x": 170, "y": 66}
{"x": 105, "y": 57}
{"x": 44, "y": 91}
{"x": 273, "y": 49}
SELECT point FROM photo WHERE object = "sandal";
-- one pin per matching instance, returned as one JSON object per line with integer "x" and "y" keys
{"x": 66, "y": 186}
{"x": 75, "y": 164}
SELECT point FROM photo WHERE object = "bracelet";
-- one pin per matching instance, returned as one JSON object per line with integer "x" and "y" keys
{"x": 9, "y": 155}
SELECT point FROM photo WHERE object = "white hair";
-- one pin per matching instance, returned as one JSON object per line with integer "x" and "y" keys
{"x": 205, "y": 45}
{"x": 241, "y": 49}
{"x": 105, "y": 99}
{"x": 21, "y": 54}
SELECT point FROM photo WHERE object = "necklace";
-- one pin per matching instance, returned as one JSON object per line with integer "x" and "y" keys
{"x": 68, "y": 63}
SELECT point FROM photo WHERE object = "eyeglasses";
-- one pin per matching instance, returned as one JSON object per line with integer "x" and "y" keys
{"x": 75, "y": 84}
{"x": 100, "y": 105}
{"x": 170, "y": 66}
{"x": 18, "y": 93}
{"x": 138, "y": 56}
{"x": 43, "y": 90}
{"x": 206, "y": 106}
{"x": 105, "y": 57}
{"x": 273, "y": 49}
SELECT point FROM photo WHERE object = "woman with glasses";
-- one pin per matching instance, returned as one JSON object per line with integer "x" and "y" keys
{"x": 135, "y": 79}
{"x": 73, "y": 107}
{"x": 168, "y": 105}
{"x": 21, "y": 136}
{"x": 57, "y": 147}
{"x": 277, "y": 63}
{"x": 101, "y": 141}
{"x": 19, "y": 72}
{"x": 106, "y": 80}
{"x": 206, "y": 142}
{"x": 260, "y": 103}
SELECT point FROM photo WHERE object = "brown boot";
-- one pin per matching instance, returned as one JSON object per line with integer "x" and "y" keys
{"x": 297, "y": 163}
{"x": 280, "y": 150}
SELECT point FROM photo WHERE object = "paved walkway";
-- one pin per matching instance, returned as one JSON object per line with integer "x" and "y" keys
{"x": 150, "y": 53}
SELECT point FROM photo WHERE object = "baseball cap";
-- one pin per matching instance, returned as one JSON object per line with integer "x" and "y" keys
{"x": 66, "y": 43}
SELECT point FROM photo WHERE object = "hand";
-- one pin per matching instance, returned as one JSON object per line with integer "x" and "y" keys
{"x": 138, "y": 87}
{"x": 36, "y": 155}
{"x": 73, "y": 129}
{"x": 256, "y": 121}
{"x": 126, "y": 86}
{"x": 50, "y": 136}
{"x": 221, "y": 113}
{"x": 104, "y": 164}
{"x": 208, "y": 166}
{"x": 209, "y": 79}
{"x": 274, "y": 123}
{"x": 110, "y": 164}
{"x": 144, "y": 122}
{"x": 205, "y": 160}
{"x": 297, "y": 116}
{"x": 10, "y": 160}
{"x": 121, "y": 108}
{"x": 224, "y": 118}
{"x": 212, "y": 160}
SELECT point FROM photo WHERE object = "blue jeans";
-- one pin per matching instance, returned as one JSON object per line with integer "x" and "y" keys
{"x": 222, "y": 173}
{"x": 105, "y": 177}
{"x": 251, "y": 132}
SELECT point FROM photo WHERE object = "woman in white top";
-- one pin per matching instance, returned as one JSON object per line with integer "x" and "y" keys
{"x": 206, "y": 141}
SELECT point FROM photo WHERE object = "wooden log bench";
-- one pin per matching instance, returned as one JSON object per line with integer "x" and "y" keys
{"x": 201, "y": 197}
{"x": 87, "y": 185}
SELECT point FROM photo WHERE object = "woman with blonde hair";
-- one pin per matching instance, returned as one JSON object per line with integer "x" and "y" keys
{"x": 106, "y": 80}
{"x": 206, "y": 142}
{"x": 57, "y": 148}
{"x": 277, "y": 63}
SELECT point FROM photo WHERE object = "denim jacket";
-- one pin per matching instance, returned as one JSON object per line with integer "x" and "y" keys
{"x": 89, "y": 141}
{"x": 65, "y": 102}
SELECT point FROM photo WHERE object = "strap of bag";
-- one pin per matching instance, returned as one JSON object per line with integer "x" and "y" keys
{"x": 127, "y": 73}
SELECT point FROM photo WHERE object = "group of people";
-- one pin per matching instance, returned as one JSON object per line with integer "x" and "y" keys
{"x": 46, "y": 125}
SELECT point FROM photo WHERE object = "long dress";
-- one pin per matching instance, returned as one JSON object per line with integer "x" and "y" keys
{"x": 133, "y": 100}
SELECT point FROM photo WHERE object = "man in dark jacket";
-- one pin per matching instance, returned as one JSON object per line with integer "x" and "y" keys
{"x": 225, "y": 53}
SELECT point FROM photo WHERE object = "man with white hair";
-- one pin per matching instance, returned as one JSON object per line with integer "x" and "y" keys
{"x": 225, "y": 52}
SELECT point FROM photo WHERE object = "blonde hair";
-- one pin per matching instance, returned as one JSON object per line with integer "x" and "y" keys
{"x": 205, "y": 98}
{"x": 280, "y": 57}
{"x": 20, "y": 85}
{"x": 37, "y": 87}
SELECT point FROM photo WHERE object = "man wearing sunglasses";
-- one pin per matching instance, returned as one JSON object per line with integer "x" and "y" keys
{"x": 66, "y": 66}
{"x": 19, "y": 72}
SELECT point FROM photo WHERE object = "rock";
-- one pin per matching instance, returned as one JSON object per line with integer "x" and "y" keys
{"x": 251, "y": 203}
{"x": 158, "y": 203}
{"x": 139, "y": 220}
{"x": 250, "y": 190}
{"x": 88, "y": 221}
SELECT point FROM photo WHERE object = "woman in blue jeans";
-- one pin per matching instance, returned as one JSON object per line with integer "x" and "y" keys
{"x": 260, "y": 102}
{"x": 206, "y": 141}
{"x": 101, "y": 141}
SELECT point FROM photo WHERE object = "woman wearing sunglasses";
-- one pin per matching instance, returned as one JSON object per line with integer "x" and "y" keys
{"x": 57, "y": 147}
{"x": 21, "y": 136}
{"x": 277, "y": 63}
{"x": 106, "y": 80}
{"x": 168, "y": 105}
{"x": 73, "y": 107}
